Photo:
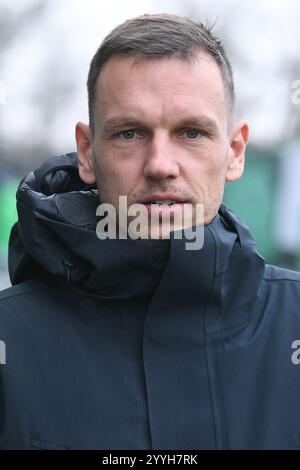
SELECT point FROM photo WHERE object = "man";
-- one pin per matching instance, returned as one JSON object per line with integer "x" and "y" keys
{"x": 123, "y": 343}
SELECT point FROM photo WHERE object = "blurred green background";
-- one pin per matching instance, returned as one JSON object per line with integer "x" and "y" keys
{"x": 253, "y": 198}
{"x": 8, "y": 212}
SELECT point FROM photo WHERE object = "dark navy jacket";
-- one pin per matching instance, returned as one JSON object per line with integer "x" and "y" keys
{"x": 142, "y": 344}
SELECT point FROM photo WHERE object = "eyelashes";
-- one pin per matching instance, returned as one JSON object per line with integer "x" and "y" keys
{"x": 128, "y": 135}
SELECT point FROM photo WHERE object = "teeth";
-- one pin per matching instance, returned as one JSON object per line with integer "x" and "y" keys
{"x": 166, "y": 201}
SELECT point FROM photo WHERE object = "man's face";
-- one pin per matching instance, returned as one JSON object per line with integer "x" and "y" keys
{"x": 161, "y": 132}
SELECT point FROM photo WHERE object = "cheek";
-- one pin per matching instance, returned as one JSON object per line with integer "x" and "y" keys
{"x": 206, "y": 173}
{"x": 117, "y": 174}
{"x": 209, "y": 162}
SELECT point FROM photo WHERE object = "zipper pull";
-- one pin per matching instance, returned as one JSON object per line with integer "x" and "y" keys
{"x": 69, "y": 267}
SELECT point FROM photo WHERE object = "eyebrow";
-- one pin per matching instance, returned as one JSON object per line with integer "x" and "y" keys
{"x": 114, "y": 124}
{"x": 204, "y": 122}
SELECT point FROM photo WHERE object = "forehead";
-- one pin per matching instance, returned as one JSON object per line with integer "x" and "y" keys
{"x": 160, "y": 88}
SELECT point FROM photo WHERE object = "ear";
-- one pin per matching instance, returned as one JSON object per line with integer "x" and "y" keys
{"x": 83, "y": 137}
{"x": 238, "y": 141}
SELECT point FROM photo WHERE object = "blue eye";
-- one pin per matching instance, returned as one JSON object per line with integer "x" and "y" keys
{"x": 192, "y": 134}
{"x": 127, "y": 135}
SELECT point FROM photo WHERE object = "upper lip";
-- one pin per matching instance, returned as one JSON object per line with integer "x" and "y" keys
{"x": 162, "y": 197}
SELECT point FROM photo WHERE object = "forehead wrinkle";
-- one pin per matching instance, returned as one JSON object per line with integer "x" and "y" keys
{"x": 147, "y": 104}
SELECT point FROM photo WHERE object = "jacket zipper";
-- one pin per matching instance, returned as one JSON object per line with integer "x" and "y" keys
{"x": 69, "y": 267}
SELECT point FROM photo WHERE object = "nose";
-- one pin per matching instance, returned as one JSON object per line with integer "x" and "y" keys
{"x": 160, "y": 160}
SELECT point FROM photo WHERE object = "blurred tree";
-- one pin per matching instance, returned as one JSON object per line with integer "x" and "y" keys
{"x": 51, "y": 85}
{"x": 13, "y": 21}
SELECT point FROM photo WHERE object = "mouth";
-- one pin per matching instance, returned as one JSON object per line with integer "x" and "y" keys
{"x": 166, "y": 202}
{"x": 168, "y": 205}
{"x": 168, "y": 199}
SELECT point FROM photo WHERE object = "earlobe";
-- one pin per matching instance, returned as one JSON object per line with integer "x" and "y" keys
{"x": 239, "y": 139}
{"x": 84, "y": 152}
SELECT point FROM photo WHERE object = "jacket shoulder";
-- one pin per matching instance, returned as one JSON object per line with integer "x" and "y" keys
{"x": 276, "y": 273}
{"x": 27, "y": 297}
{"x": 23, "y": 288}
